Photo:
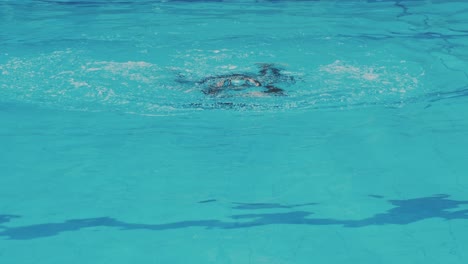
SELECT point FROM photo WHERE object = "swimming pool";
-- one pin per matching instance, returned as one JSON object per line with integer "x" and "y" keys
{"x": 112, "y": 152}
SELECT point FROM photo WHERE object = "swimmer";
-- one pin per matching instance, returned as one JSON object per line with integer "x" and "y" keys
{"x": 256, "y": 85}
{"x": 267, "y": 75}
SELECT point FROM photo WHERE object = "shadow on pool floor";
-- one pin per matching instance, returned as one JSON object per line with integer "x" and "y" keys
{"x": 405, "y": 212}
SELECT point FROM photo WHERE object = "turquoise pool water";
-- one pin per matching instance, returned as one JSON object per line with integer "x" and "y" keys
{"x": 112, "y": 153}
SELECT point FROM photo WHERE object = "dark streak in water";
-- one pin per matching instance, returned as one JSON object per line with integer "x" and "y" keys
{"x": 438, "y": 96}
{"x": 256, "y": 206}
{"x": 402, "y": 6}
{"x": 208, "y": 201}
{"x": 419, "y": 35}
{"x": 7, "y": 218}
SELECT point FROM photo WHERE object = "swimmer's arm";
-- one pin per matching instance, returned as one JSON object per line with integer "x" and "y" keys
{"x": 253, "y": 81}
